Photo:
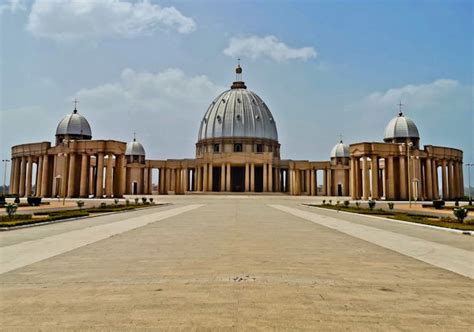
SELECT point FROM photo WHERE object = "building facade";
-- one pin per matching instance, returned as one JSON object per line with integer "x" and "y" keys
{"x": 237, "y": 151}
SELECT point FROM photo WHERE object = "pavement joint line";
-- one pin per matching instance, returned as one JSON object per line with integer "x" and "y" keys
{"x": 452, "y": 230}
{"x": 25, "y": 253}
{"x": 456, "y": 260}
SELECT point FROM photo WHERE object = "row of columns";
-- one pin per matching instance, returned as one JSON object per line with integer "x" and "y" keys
{"x": 401, "y": 178}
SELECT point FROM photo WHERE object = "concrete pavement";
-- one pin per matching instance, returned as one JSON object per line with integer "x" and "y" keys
{"x": 233, "y": 263}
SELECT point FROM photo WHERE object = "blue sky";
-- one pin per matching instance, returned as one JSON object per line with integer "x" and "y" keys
{"x": 323, "y": 67}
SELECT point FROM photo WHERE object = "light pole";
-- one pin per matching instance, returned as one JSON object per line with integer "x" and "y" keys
{"x": 5, "y": 162}
{"x": 469, "y": 165}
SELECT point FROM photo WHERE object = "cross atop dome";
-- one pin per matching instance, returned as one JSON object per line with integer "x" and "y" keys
{"x": 400, "y": 113}
{"x": 75, "y": 105}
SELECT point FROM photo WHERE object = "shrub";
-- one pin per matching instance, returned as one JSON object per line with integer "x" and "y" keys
{"x": 390, "y": 205}
{"x": 347, "y": 203}
{"x": 143, "y": 200}
{"x": 127, "y": 202}
{"x": 80, "y": 204}
{"x": 330, "y": 202}
{"x": 371, "y": 204}
{"x": 17, "y": 200}
{"x": 438, "y": 204}
{"x": 358, "y": 205}
{"x": 34, "y": 201}
{"x": 324, "y": 202}
{"x": 460, "y": 214}
{"x": 103, "y": 205}
{"x": 151, "y": 200}
{"x": 116, "y": 201}
{"x": 15, "y": 217}
{"x": 11, "y": 209}
{"x": 136, "y": 201}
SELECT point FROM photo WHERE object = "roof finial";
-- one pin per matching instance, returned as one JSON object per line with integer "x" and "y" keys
{"x": 75, "y": 105}
{"x": 340, "y": 138}
{"x": 238, "y": 71}
{"x": 134, "y": 136}
{"x": 400, "y": 113}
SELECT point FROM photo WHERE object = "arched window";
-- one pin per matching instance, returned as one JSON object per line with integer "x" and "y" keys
{"x": 238, "y": 147}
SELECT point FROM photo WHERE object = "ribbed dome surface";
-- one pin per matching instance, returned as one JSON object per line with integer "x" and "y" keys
{"x": 340, "y": 150}
{"x": 238, "y": 112}
{"x": 401, "y": 127}
{"x": 74, "y": 124}
{"x": 134, "y": 148}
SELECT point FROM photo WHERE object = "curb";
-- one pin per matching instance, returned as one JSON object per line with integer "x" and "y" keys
{"x": 452, "y": 230}
{"x": 6, "y": 229}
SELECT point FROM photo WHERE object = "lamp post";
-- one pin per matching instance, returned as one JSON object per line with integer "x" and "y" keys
{"x": 469, "y": 165}
{"x": 415, "y": 179}
{"x": 5, "y": 162}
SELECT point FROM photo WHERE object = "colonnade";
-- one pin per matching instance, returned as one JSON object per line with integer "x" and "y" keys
{"x": 70, "y": 175}
{"x": 398, "y": 178}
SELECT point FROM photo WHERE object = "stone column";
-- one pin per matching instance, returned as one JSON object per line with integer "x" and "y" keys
{"x": 12, "y": 176}
{"x": 451, "y": 180}
{"x": 71, "y": 182}
{"x": 145, "y": 180}
{"x": 375, "y": 176}
{"x": 228, "y": 178}
{"x": 29, "y": 170}
{"x": 185, "y": 180}
{"x": 14, "y": 181}
{"x": 205, "y": 179}
{"x": 247, "y": 177}
{"x": 45, "y": 182}
{"x": 429, "y": 180}
{"x": 307, "y": 181}
{"x": 21, "y": 190}
{"x": 365, "y": 179}
{"x": 456, "y": 180}
{"x": 325, "y": 175}
{"x": 403, "y": 178}
{"x": 252, "y": 177}
{"x": 223, "y": 177}
{"x": 329, "y": 181}
{"x": 265, "y": 178}
{"x": 83, "y": 188}
{"x": 315, "y": 182}
{"x": 311, "y": 181}
{"x": 199, "y": 179}
{"x": 39, "y": 175}
{"x": 434, "y": 168}
{"x": 390, "y": 178}
{"x": 270, "y": 178}
{"x": 100, "y": 175}
{"x": 122, "y": 175}
{"x": 168, "y": 180}
{"x": 211, "y": 167}
{"x": 108, "y": 175}
{"x": 444, "y": 179}
{"x": 173, "y": 180}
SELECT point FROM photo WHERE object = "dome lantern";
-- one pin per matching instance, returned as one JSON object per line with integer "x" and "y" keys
{"x": 134, "y": 151}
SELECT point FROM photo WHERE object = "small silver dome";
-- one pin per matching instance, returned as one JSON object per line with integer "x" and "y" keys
{"x": 401, "y": 127}
{"x": 134, "y": 148}
{"x": 74, "y": 124}
{"x": 238, "y": 112}
{"x": 340, "y": 150}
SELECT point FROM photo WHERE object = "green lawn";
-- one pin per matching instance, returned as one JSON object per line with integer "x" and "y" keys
{"x": 446, "y": 222}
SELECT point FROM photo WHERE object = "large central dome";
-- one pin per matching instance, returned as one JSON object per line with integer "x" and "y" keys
{"x": 238, "y": 112}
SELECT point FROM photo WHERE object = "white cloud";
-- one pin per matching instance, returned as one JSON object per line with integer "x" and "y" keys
{"x": 442, "y": 110}
{"x": 269, "y": 46}
{"x": 66, "y": 20}
{"x": 164, "y": 108}
{"x": 12, "y": 5}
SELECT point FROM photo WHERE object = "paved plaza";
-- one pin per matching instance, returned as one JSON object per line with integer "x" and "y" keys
{"x": 236, "y": 263}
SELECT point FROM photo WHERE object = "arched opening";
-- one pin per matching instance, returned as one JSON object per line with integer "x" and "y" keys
{"x": 238, "y": 178}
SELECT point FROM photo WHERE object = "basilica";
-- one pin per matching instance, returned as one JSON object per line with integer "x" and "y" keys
{"x": 237, "y": 151}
